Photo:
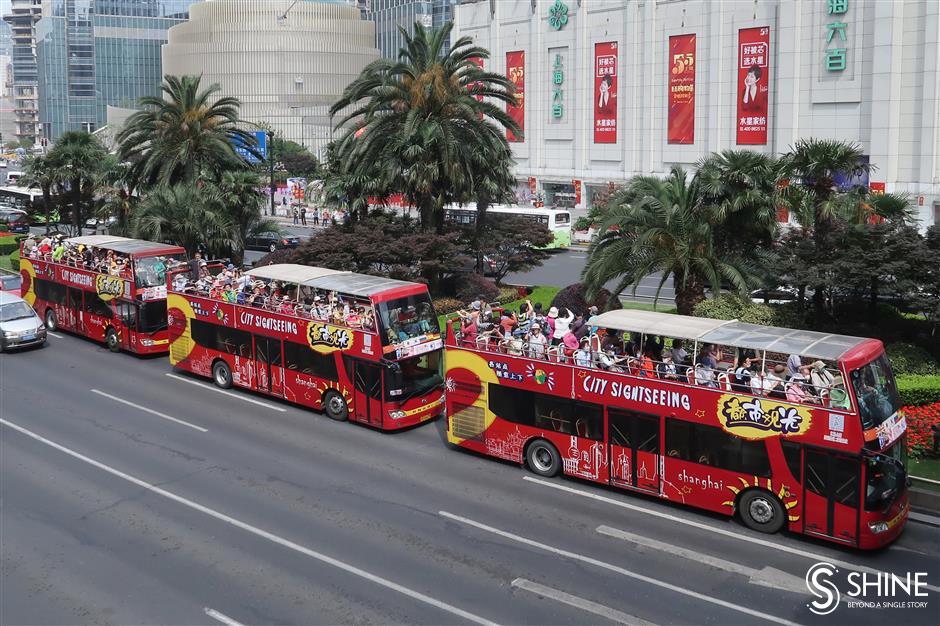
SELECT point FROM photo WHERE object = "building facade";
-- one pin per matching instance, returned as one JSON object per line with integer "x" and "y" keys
{"x": 287, "y": 62}
{"x": 22, "y": 20}
{"x": 389, "y": 15}
{"x": 611, "y": 89}
{"x": 92, "y": 54}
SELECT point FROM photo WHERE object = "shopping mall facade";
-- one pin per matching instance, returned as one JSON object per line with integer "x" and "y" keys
{"x": 611, "y": 89}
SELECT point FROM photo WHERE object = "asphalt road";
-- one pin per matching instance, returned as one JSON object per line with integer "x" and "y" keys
{"x": 130, "y": 496}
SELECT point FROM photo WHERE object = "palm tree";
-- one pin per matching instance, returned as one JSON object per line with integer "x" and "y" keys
{"x": 661, "y": 225}
{"x": 492, "y": 182}
{"x": 420, "y": 120}
{"x": 38, "y": 171}
{"x": 190, "y": 215}
{"x": 183, "y": 136}
{"x": 241, "y": 197}
{"x": 78, "y": 158}
{"x": 813, "y": 166}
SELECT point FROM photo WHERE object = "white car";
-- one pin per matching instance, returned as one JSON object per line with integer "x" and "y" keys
{"x": 19, "y": 325}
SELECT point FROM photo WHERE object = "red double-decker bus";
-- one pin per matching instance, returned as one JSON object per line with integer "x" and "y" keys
{"x": 820, "y": 452}
{"x": 354, "y": 346}
{"x": 109, "y": 289}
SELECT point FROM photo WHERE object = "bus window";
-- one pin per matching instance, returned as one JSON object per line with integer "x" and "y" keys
{"x": 553, "y": 413}
{"x": 512, "y": 405}
{"x": 588, "y": 420}
{"x": 562, "y": 219}
{"x": 710, "y": 445}
{"x": 151, "y": 271}
{"x": 221, "y": 338}
{"x": 791, "y": 454}
{"x": 127, "y": 313}
{"x": 876, "y": 392}
{"x": 414, "y": 376}
{"x": 96, "y": 306}
{"x": 301, "y": 358}
{"x": 407, "y": 318}
{"x": 50, "y": 292}
{"x": 74, "y": 300}
{"x": 152, "y": 316}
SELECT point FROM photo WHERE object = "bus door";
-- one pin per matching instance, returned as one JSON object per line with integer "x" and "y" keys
{"x": 634, "y": 449}
{"x": 76, "y": 315}
{"x": 367, "y": 392}
{"x": 127, "y": 314}
{"x": 831, "y": 487}
{"x": 269, "y": 365}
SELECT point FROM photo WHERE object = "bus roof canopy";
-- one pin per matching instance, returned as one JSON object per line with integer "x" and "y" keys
{"x": 124, "y": 245}
{"x": 327, "y": 279}
{"x": 730, "y": 333}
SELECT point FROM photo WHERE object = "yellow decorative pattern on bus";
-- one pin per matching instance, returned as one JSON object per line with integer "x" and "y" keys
{"x": 759, "y": 418}
{"x": 108, "y": 287}
{"x": 472, "y": 421}
{"x": 328, "y": 338}
{"x": 181, "y": 346}
{"x": 28, "y": 272}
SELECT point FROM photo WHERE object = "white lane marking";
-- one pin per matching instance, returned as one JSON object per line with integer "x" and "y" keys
{"x": 766, "y": 577}
{"x": 718, "y": 531}
{"x": 578, "y": 256}
{"x": 222, "y": 617}
{"x": 56, "y": 335}
{"x": 287, "y": 543}
{"x": 228, "y": 393}
{"x": 151, "y": 411}
{"x": 617, "y": 569}
{"x": 930, "y": 520}
{"x": 580, "y": 603}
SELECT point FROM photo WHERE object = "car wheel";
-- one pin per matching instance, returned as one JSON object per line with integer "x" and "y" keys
{"x": 112, "y": 341}
{"x": 335, "y": 406}
{"x": 273, "y": 247}
{"x": 762, "y": 511}
{"x": 543, "y": 458}
{"x": 222, "y": 374}
{"x": 51, "y": 322}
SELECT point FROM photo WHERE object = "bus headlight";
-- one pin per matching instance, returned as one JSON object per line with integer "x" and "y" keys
{"x": 878, "y": 527}
{"x": 396, "y": 415}
{"x": 146, "y": 342}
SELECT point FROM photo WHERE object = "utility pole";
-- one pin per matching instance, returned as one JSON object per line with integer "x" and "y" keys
{"x": 270, "y": 134}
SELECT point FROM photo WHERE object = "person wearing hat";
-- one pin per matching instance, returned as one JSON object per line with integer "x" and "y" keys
{"x": 773, "y": 382}
{"x": 537, "y": 341}
{"x": 550, "y": 320}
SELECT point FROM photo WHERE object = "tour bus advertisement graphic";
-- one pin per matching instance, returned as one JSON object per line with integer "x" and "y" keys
{"x": 569, "y": 412}
{"x": 753, "y": 85}
{"x": 681, "y": 89}
{"x": 605, "y": 92}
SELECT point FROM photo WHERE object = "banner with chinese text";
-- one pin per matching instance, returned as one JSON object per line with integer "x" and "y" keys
{"x": 515, "y": 71}
{"x": 605, "y": 92}
{"x": 682, "y": 89}
{"x": 753, "y": 85}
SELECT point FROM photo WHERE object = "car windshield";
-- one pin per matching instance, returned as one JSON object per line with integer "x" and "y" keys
{"x": 413, "y": 377}
{"x": 14, "y": 281}
{"x": 885, "y": 476}
{"x": 15, "y": 311}
{"x": 411, "y": 317}
{"x": 151, "y": 270}
{"x": 875, "y": 392}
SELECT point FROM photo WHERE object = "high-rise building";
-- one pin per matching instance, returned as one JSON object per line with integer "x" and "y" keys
{"x": 22, "y": 20}
{"x": 92, "y": 54}
{"x": 286, "y": 61}
{"x": 388, "y": 15}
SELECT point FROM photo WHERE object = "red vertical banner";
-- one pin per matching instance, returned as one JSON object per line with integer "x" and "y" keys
{"x": 682, "y": 89}
{"x": 577, "y": 192}
{"x": 476, "y": 84}
{"x": 605, "y": 92}
{"x": 515, "y": 71}
{"x": 753, "y": 85}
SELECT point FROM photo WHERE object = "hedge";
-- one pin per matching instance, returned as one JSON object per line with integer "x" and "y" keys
{"x": 8, "y": 244}
{"x": 907, "y": 358}
{"x": 15, "y": 260}
{"x": 917, "y": 390}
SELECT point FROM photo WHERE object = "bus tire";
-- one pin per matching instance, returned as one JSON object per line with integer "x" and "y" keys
{"x": 335, "y": 406}
{"x": 762, "y": 511}
{"x": 112, "y": 341}
{"x": 543, "y": 458}
{"x": 51, "y": 322}
{"x": 222, "y": 374}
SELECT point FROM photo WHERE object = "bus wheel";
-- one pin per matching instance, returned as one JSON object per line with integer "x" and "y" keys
{"x": 51, "y": 322}
{"x": 112, "y": 341}
{"x": 222, "y": 374}
{"x": 761, "y": 511}
{"x": 335, "y": 406}
{"x": 543, "y": 458}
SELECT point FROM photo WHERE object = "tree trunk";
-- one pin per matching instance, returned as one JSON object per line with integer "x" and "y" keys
{"x": 426, "y": 206}
{"x": 47, "y": 203}
{"x": 821, "y": 230}
{"x": 77, "y": 205}
{"x": 873, "y": 298}
{"x": 688, "y": 293}
{"x": 483, "y": 203}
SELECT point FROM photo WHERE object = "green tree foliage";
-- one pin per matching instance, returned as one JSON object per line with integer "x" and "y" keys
{"x": 77, "y": 162}
{"x": 295, "y": 159}
{"x": 663, "y": 225}
{"x": 239, "y": 192}
{"x": 416, "y": 125}
{"x": 574, "y": 298}
{"x": 514, "y": 244}
{"x": 39, "y": 171}
{"x": 184, "y": 136}
{"x": 189, "y": 215}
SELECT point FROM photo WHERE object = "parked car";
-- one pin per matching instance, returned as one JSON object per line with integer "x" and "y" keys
{"x": 11, "y": 283}
{"x": 15, "y": 220}
{"x": 271, "y": 241}
{"x": 780, "y": 295}
{"x": 96, "y": 223}
{"x": 20, "y": 326}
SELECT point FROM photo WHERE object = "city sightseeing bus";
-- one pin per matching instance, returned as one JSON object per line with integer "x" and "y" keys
{"x": 380, "y": 365}
{"x": 558, "y": 221}
{"x": 833, "y": 468}
{"x": 126, "y": 312}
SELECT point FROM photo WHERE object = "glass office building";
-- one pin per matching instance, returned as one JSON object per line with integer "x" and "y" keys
{"x": 95, "y": 53}
{"x": 388, "y": 15}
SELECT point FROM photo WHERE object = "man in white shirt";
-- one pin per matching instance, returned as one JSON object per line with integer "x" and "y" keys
{"x": 537, "y": 342}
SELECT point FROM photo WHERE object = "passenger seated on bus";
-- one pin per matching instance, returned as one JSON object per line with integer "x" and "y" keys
{"x": 741, "y": 380}
{"x": 569, "y": 342}
{"x": 667, "y": 368}
{"x": 774, "y": 386}
{"x": 705, "y": 375}
{"x": 820, "y": 378}
{"x": 537, "y": 342}
{"x": 286, "y": 306}
{"x": 228, "y": 292}
{"x": 796, "y": 392}
{"x": 645, "y": 367}
{"x": 582, "y": 356}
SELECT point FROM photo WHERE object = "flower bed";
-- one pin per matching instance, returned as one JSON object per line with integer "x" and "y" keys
{"x": 920, "y": 420}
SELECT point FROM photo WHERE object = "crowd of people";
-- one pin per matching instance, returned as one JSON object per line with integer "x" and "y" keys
{"x": 565, "y": 336}
{"x": 59, "y": 249}
{"x": 234, "y": 286}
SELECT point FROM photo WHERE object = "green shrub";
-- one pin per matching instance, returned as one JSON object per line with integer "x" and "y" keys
{"x": 907, "y": 358}
{"x": 732, "y": 306}
{"x": 917, "y": 390}
{"x": 473, "y": 286}
{"x": 9, "y": 244}
{"x": 574, "y": 298}
{"x": 14, "y": 260}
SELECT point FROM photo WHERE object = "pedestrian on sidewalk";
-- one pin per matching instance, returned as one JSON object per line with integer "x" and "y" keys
{"x": 294, "y": 212}
{"x": 316, "y": 217}
{"x": 303, "y": 215}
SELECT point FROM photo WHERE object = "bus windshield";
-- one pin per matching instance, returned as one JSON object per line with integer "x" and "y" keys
{"x": 413, "y": 377}
{"x": 886, "y": 476}
{"x": 407, "y": 318}
{"x": 876, "y": 392}
{"x": 151, "y": 270}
